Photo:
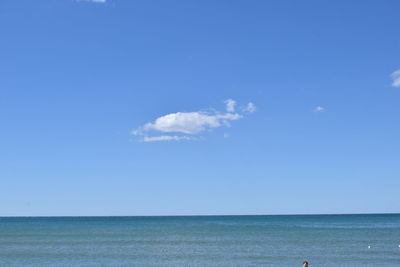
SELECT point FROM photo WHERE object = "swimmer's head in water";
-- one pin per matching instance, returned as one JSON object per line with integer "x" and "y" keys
{"x": 305, "y": 264}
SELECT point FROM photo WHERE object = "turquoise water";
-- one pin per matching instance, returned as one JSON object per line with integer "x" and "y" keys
{"x": 323, "y": 240}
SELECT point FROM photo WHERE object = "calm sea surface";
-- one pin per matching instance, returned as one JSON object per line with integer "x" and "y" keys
{"x": 323, "y": 240}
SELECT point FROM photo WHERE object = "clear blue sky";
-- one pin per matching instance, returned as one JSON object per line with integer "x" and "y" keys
{"x": 82, "y": 84}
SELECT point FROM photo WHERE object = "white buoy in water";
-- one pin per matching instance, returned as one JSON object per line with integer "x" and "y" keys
{"x": 369, "y": 246}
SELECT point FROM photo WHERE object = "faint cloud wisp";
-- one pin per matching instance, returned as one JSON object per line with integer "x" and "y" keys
{"x": 319, "y": 109}
{"x": 250, "y": 108}
{"x": 396, "y": 78}
{"x": 230, "y": 105}
{"x": 93, "y": 1}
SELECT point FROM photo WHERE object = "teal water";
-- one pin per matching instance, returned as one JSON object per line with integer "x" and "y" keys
{"x": 323, "y": 240}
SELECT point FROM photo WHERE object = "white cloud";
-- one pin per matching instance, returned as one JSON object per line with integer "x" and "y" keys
{"x": 165, "y": 138}
{"x": 319, "y": 109}
{"x": 250, "y": 108}
{"x": 189, "y": 122}
{"x": 230, "y": 105}
{"x": 396, "y": 78}
{"x": 192, "y": 123}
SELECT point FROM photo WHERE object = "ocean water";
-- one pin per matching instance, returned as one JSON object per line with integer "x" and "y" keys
{"x": 323, "y": 240}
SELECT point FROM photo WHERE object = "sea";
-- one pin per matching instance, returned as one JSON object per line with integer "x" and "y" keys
{"x": 276, "y": 240}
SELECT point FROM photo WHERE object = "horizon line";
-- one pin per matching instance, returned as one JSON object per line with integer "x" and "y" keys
{"x": 198, "y": 215}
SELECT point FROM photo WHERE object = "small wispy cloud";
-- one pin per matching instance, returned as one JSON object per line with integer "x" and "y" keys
{"x": 396, "y": 78}
{"x": 165, "y": 138}
{"x": 319, "y": 109}
{"x": 93, "y": 1}
{"x": 230, "y": 105}
{"x": 250, "y": 108}
{"x": 189, "y": 125}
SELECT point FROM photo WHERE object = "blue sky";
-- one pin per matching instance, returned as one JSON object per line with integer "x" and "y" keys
{"x": 120, "y": 107}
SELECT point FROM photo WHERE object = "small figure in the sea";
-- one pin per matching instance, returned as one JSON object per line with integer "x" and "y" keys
{"x": 305, "y": 264}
